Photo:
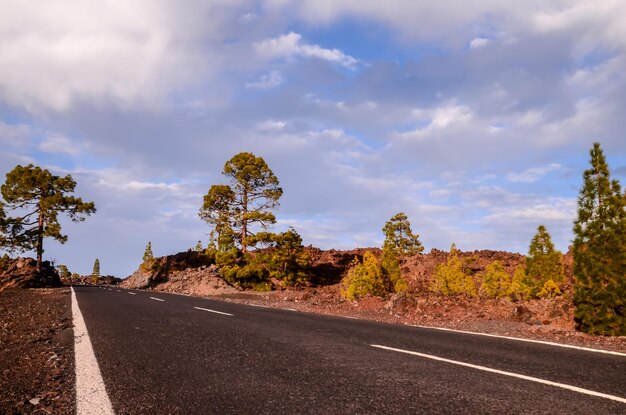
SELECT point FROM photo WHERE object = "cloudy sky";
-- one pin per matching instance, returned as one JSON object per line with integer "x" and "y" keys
{"x": 474, "y": 118}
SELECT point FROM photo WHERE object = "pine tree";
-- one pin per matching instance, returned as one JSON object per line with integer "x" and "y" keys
{"x": 95, "y": 273}
{"x": 64, "y": 272}
{"x": 450, "y": 278}
{"x": 96, "y": 269}
{"x": 38, "y": 197}
{"x": 364, "y": 278}
{"x": 147, "y": 254}
{"x": 289, "y": 262}
{"x": 234, "y": 209}
{"x": 543, "y": 263}
{"x": 600, "y": 251}
{"x": 399, "y": 241}
{"x": 198, "y": 247}
{"x": 496, "y": 281}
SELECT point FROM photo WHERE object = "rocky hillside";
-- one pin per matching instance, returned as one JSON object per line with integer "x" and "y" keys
{"x": 22, "y": 273}
{"x": 191, "y": 272}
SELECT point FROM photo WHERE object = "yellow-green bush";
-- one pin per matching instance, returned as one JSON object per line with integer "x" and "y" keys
{"x": 364, "y": 278}
{"x": 496, "y": 281}
{"x": 451, "y": 279}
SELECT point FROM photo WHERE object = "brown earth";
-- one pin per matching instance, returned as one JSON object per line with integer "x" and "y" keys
{"x": 36, "y": 357}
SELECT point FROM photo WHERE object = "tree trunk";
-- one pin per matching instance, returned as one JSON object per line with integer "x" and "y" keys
{"x": 244, "y": 224}
{"x": 40, "y": 236}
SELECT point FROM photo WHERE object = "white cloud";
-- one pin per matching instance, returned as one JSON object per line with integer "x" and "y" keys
{"x": 58, "y": 144}
{"x": 291, "y": 45}
{"x": 56, "y": 54}
{"x": 271, "y": 125}
{"x": 533, "y": 174}
{"x": 16, "y": 135}
{"x": 478, "y": 42}
{"x": 440, "y": 118}
{"x": 268, "y": 81}
{"x": 596, "y": 22}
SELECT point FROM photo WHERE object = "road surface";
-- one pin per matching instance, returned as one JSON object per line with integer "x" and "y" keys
{"x": 170, "y": 354}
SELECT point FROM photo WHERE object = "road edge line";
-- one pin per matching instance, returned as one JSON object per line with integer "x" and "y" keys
{"x": 91, "y": 395}
{"x": 505, "y": 373}
{"x": 214, "y": 311}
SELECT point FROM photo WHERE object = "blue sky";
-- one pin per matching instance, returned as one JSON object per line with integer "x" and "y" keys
{"x": 475, "y": 121}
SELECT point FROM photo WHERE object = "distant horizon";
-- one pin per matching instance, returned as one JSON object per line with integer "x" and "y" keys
{"x": 476, "y": 123}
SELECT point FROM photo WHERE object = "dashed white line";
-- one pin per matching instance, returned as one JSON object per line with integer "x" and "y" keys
{"x": 156, "y": 299}
{"x": 568, "y": 346}
{"x": 213, "y": 311}
{"x": 91, "y": 395}
{"x": 502, "y": 372}
{"x": 131, "y": 293}
{"x": 290, "y": 309}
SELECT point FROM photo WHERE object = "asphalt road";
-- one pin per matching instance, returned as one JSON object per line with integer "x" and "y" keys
{"x": 175, "y": 357}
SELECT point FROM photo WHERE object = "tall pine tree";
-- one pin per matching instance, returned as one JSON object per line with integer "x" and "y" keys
{"x": 543, "y": 263}
{"x": 600, "y": 251}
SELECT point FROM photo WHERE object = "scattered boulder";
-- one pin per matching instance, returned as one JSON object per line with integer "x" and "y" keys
{"x": 522, "y": 313}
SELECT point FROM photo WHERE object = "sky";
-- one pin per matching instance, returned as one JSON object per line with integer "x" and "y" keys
{"x": 475, "y": 118}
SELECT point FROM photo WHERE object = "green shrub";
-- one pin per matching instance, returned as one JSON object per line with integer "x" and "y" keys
{"x": 451, "y": 278}
{"x": 363, "y": 279}
{"x": 496, "y": 281}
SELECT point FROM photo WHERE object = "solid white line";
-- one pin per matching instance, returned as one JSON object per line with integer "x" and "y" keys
{"x": 157, "y": 299}
{"x": 569, "y": 346}
{"x": 502, "y": 372}
{"x": 131, "y": 293}
{"x": 213, "y": 311}
{"x": 259, "y": 305}
{"x": 91, "y": 395}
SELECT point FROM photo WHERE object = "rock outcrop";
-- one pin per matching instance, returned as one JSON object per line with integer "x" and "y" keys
{"x": 22, "y": 273}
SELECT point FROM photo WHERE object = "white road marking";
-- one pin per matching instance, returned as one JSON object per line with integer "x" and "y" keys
{"x": 213, "y": 311}
{"x": 91, "y": 395}
{"x": 259, "y": 305}
{"x": 569, "y": 346}
{"x": 131, "y": 293}
{"x": 157, "y": 299}
{"x": 290, "y": 309}
{"x": 502, "y": 372}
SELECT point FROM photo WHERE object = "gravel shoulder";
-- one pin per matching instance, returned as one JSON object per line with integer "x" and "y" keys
{"x": 37, "y": 353}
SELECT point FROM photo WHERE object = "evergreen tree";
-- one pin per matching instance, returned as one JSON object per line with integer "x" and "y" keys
{"x": 600, "y": 251}
{"x": 220, "y": 211}
{"x": 38, "y": 197}
{"x": 496, "y": 281}
{"x": 399, "y": 241}
{"x": 234, "y": 209}
{"x": 543, "y": 263}
{"x": 289, "y": 261}
{"x": 96, "y": 269}
{"x": 256, "y": 190}
{"x": 451, "y": 279}
{"x": 95, "y": 273}
{"x": 64, "y": 272}
{"x": 147, "y": 254}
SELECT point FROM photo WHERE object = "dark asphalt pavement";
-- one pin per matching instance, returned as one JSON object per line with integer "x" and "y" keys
{"x": 169, "y": 357}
